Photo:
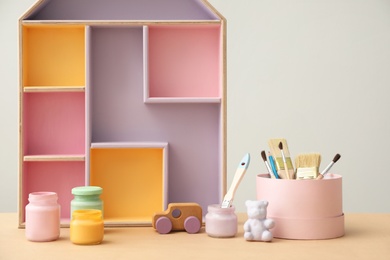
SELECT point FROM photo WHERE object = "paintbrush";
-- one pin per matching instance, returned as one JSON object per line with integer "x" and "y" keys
{"x": 282, "y": 172}
{"x": 241, "y": 169}
{"x": 273, "y": 166}
{"x": 270, "y": 171}
{"x": 326, "y": 170}
{"x": 284, "y": 160}
{"x": 307, "y": 166}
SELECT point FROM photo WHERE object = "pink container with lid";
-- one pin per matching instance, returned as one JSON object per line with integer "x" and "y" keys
{"x": 42, "y": 217}
{"x": 303, "y": 209}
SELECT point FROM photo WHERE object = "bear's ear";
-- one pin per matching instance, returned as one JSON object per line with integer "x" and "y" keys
{"x": 265, "y": 203}
{"x": 248, "y": 203}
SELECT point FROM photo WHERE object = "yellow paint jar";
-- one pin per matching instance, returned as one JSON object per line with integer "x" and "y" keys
{"x": 86, "y": 227}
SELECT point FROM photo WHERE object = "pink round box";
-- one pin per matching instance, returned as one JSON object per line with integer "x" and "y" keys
{"x": 303, "y": 209}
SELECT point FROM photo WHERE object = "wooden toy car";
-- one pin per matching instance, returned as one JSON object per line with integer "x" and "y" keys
{"x": 178, "y": 217}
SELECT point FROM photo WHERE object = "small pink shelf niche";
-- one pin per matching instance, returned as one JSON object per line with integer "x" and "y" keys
{"x": 55, "y": 176}
{"x": 183, "y": 63}
{"x": 105, "y": 88}
{"x": 54, "y": 124}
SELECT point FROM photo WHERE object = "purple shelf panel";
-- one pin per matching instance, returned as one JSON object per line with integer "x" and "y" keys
{"x": 119, "y": 114}
{"x": 123, "y": 10}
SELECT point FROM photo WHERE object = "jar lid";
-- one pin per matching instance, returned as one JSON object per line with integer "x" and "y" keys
{"x": 42, "y": 195}
{"x": 87, "y": 190}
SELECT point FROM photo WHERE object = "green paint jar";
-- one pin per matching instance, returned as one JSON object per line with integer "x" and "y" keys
{"x": 86, "y": 197}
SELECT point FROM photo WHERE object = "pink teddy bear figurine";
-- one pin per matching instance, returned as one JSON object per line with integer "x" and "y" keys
{"x": 257, "y": 226}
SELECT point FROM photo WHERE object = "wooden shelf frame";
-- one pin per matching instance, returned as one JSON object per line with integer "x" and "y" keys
{"x": 214, "y": 107}
{"x": 49, "y": 158}
{"x": 29, "y": 89}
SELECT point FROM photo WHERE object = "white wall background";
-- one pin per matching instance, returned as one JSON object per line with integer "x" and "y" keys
{"x": 314, "y": 72}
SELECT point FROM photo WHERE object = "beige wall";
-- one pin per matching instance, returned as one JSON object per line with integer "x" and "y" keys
{"x": 314, "y": 72}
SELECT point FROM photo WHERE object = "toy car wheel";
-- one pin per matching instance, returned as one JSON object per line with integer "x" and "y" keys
{"x": 192, "y": 225}
{"x": 163, "y": 225}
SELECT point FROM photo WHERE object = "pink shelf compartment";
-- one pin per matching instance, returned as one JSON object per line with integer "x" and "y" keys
{"x": 53, "y": 123}
{"x": 182, "y": 63}
{"x": 59, "y": 177}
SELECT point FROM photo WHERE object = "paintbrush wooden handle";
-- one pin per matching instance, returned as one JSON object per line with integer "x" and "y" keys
{"x": 285, "y": 165}
{"x": 286, "y": 170}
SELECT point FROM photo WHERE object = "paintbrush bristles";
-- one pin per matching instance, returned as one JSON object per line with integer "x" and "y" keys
{"x": 336, "y": 158}
{"x": 308, "y": 160}
{"x": 263, "y": 155}
{"x": 307, "y": 166}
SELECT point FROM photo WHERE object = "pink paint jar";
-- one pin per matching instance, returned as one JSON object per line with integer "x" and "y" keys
{"x": 42, "y": 217}
{"x": 221, "y": 222}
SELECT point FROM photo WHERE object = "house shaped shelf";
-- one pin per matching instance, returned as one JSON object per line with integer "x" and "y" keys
{"x": 129, "y": 95}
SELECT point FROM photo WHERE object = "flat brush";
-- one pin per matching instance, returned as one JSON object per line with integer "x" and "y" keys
{"x": 270, "y": 171}
{"x": 326, "y": 170}
{"x": 282, "y": 172}
{"x": 307, "y": 166}
{"x": 284, "y": 160}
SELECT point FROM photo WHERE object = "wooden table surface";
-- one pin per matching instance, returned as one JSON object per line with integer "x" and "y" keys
{"x": 367, "y": 237}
